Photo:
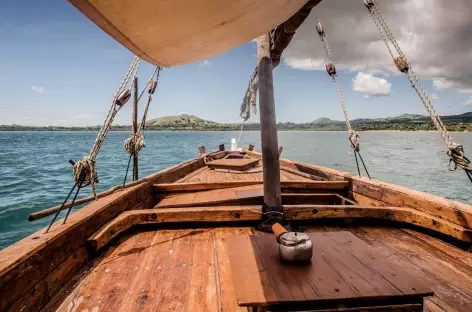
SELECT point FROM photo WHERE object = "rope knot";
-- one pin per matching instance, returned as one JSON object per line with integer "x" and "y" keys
{"x": 85, "y": 173}
{"x": 134, "y": 144}
{"x": 354, "y": 140}
{"x": 457, "y": 157}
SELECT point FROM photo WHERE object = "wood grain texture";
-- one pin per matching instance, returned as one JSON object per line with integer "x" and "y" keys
{"x": 441, "y": 265}
{"x": 290, "y": 184}
{"x": 232, "y": 164}
{"x": 343, "y": 268}
{"x": 406, "y": 215}
{"x": 171, "y": 215}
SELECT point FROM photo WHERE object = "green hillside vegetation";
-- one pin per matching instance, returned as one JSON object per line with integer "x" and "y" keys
{"x": 405, "y": 122}
{"x": 182, "y": 122}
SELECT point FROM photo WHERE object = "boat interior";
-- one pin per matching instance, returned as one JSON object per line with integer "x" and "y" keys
{"x": 170, "y": 243}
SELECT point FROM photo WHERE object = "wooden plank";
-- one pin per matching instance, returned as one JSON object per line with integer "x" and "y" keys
{"x": 214, "y": 197}
{"x": 201, "y": 186}
{"x": 99, "y": 276}
{"x": 394, "y": 195}
{"x": 246, "y": 195}
{"x": 450, "y": 292}
{"x": 204, "y": 186}
{"x": 174, "y": 289}
{"x": 406, "y": 215}
{"x": 366, "y": 201}
{"x": 233, "y": 164}
{"x": 251, "y": 282}
{"x": 226, "y": 293}
{"x": 171, "y": 215}
{"x": 399, "y": 278}
{"x": 255, "y": 261}
{"x": 203, "y": 283}
{"x": 148, "y": 270}
{"x": 123, "y": 274}
{"x": 302, "y": 174}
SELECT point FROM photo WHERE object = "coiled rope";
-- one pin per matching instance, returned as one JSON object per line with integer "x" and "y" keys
{"x": 457, "y": 159}
{"x": 331, "y": 69}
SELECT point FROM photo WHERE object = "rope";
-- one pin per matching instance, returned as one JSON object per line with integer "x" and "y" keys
{"x": 331, "y": 69}
{"x": 240, "y": 132}
{"x": 457, "y": 159}
{"x": 135, "y": 143}
{"x": 87, "y": 164}
{"x": 250, "y": 97}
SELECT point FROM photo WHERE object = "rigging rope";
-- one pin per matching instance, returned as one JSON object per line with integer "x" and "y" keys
{"x": 135, "y": 143}
{"x": 84, "y": 170}
{"x": 331, "y": 69}
{"x": 121, "y": 97}
{"x": 457, "y": 159}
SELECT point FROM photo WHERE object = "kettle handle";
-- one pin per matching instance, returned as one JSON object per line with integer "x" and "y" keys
{"x": 278, "y": 229}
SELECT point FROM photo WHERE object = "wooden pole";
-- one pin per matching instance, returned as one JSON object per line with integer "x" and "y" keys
{"x": 135, "y": 126}
{"x": 269, "y": 141}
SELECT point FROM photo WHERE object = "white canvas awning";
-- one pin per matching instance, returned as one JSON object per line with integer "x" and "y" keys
{"x": 174, "y": 32}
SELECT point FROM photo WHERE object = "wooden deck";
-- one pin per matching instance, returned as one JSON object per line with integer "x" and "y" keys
{"x": 209, "y": 175}
{"x": 115, "y": 254}
{"x": 189, "y": 270}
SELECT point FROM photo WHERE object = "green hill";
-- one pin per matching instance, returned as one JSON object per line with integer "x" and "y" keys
{"x": 181, "y": 122}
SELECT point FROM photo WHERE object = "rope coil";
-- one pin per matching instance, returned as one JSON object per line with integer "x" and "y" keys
{"x": 134, "y": 144}
{"x": 85, "y": 173}
{"x": 458, "y": 158}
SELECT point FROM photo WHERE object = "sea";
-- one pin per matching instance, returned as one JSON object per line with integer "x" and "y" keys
{"x": 35, "y": 173}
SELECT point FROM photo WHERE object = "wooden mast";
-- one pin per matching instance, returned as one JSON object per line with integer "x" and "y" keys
{"x": 135, "y": 126}
{"x": 269, "y": 141}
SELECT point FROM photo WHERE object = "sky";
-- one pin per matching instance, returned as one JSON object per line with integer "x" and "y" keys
{"x": 58, "y": 68}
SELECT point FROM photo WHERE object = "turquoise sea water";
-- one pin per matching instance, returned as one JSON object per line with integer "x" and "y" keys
{"x": 35, "y": 173}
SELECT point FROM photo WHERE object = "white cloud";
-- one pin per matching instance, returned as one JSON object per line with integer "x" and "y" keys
{"x": 443, "y": 84}
{"x": 435, "y": 36}
{"x": 435, "y": 96}
{"x": 37, "y": 89}
{"x": 468, "y": 102}
{"x": 366, "y": 96}
{"x": 371, "y": 85}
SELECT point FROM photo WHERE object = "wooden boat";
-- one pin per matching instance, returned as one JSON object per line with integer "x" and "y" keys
{"x": 162, "y": 245}
{"x": 194, "y": 237}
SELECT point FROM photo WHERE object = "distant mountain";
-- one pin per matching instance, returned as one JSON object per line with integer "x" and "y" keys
{"x": 325, "y": 121}
{"x": 181, "y": 122}
{"x": 404, "y": 122}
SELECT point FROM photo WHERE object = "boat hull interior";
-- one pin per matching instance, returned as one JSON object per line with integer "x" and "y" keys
{"x": 162, "y": 244}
